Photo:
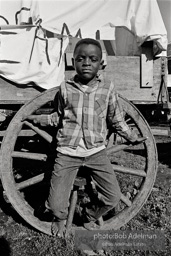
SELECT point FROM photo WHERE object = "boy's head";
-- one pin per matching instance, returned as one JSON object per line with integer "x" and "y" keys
{"x": 87, "y": 59}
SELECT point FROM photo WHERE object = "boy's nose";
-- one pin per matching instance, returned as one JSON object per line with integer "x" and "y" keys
{"x": 86, "y": 61}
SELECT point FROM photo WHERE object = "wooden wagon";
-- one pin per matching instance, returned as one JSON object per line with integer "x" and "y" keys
{"x": 27, "y": 150}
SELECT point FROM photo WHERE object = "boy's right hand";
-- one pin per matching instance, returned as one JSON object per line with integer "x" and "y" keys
{"x": 38, "y": 119}
{"x": 34, "y": 118}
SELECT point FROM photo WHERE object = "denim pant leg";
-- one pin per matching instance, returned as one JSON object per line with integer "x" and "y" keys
{"x": 63, "y": 176}
{"x": 107, "y": 185}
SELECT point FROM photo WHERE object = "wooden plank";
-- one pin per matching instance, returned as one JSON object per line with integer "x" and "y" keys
{"x": 2, "y": 27}
{"x": 30, "y": 182}
{"x": 124, "y": 71}
{"x": 17, "y": 94}
{"x": 23, "y": 133}
{"x": 160, "y": 131}
{"x": 42, "y": 133}
{"x": 127, "y": 170}
{"x": 130, "y": 81}
{"x": 146, "y": 72}
{"x": 126, "y": 200}
{"x": 31, "y": 156}
{"x": 146, "y": 67}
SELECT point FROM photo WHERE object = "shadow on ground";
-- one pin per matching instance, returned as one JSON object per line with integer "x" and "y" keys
{"x": 4, "y": 247}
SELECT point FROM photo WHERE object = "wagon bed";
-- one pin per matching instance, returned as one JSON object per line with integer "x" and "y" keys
{"x": 141, "y": 79}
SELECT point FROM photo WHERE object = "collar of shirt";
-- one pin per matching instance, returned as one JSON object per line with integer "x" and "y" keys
{"x": 91, "y": 86}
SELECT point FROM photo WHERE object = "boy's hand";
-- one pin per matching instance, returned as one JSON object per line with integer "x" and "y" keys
{"x": 38, "y": 119}
{"x": 34, "y": 118}
{"x": 139, "y": 140}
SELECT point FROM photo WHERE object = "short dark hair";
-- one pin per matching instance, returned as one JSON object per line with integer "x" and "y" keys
{"x": 88, "y": 41}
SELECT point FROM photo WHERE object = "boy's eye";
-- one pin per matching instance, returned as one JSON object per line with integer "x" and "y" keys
{"x": 91, "y": 58}
{"x": 79, "y": 58}
{"x": 94, "y": 59}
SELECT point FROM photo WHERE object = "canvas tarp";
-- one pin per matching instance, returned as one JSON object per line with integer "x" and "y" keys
{"x": 27, "y": 54}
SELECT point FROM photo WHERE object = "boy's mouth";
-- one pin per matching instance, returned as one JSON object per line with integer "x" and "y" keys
{"x": 86, "y": 70}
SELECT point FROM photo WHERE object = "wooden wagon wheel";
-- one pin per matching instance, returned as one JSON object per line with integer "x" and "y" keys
{"x": 136, "y": 181}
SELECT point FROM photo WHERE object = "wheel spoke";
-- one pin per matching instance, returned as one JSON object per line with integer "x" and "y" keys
{"x": 27, "y": 155}
{"x": 29, "y": 182}
{"x": 22, "y": 133}
{"x": 128, "y": 170}
{"x": 42, "y": 133}
{"x": 129, "y": 123}
{"x": 125, "y": 200}
{"x": 117, "y": 148}
{"x": 128, "y": 119}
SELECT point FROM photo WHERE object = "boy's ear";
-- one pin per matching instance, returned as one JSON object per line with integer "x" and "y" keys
{"x": 101, "y": 64}
{"x": 73, "y": 64}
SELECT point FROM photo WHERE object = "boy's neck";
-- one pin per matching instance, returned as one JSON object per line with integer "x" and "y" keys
{"x": 85, "y": 82}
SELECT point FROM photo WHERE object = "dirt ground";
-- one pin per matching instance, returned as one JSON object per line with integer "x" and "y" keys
{"x": 18, "y": 238}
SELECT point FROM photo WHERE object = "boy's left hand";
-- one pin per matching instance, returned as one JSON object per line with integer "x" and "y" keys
{"x": 139, "y": 140}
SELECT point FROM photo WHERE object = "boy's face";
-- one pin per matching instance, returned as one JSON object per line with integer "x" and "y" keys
{"x": 87, "y": 62}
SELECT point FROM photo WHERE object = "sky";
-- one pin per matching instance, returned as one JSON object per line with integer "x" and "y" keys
{"x": 165, "y": 9}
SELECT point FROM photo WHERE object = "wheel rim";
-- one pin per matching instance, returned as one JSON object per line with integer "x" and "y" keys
{"x": 150, "y": 168}
{"x": 16, "y": 198}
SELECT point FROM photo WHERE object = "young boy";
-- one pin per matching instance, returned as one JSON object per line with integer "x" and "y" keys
{"x": 86, "y": 106}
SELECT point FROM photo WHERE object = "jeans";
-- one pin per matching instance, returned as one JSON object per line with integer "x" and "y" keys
{"x": 64, "y": 174}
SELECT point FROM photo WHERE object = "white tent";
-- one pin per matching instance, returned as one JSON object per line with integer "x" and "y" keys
{"x": 30, "y": 54}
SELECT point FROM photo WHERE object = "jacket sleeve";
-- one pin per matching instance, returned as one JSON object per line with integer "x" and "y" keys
{"x": 54, "y": 118}
{"x": 116, "y": 118}
{"x": 49, "y": 119}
